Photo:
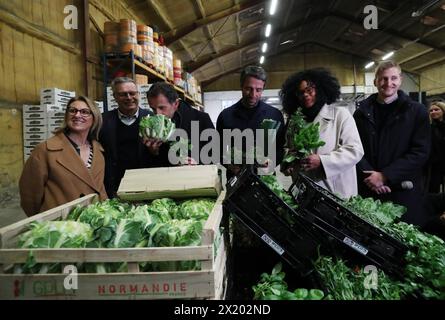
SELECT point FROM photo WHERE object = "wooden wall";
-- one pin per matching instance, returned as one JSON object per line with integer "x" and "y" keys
{"x": 36, "y": 51}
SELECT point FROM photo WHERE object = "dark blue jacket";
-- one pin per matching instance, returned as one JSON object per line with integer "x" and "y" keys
{"x": 108, "y": 139}
{"x": 400, "y": 151}
{"x": 239, "y": 117}
{"x": 182, "y": 119}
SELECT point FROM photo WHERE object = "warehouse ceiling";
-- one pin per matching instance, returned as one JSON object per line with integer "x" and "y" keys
{"x": 218, "y": 37}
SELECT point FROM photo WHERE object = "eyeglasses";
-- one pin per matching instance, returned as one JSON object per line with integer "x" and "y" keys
{"x": 83, "y": 112}
{"x": 132, "y": 94}
{"x": 309, "y": 90}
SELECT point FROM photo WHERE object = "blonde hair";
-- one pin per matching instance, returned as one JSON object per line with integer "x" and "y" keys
{"x": 93, "y": 134}
{"x": 387, "y": 65}
{"x": 439, "y": 104}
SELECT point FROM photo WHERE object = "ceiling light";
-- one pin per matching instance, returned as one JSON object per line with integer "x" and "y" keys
{"x": 388, "y": 55}
{"x": 369, "y": 65}
{"x": 262, "y": 60}
{"x": 273, "y": 7}
{"x": 268, "y": 29}
{"x": 264, "y": 47}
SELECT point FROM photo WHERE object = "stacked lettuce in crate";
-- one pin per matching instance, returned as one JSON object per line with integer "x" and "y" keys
{"x": 161, "y": 239}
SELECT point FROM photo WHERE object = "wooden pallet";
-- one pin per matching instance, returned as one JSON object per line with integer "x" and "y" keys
{"x": 207, "y": 283}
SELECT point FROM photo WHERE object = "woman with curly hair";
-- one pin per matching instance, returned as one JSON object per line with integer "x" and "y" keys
{"x": 332, "y": 165}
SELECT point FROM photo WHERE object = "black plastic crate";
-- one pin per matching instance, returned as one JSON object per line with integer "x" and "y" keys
{"x": 272, "y": 220}
{"x": 346, "y": 230}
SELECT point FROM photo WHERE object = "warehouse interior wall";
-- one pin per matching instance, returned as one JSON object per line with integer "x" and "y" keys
{"x": 36, "y": 51}
{"x": 432, "y": 80}
{"x": 281, "y": 66}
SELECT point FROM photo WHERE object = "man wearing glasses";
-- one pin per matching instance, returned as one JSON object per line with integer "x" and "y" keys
{"x": 120, "y": 135}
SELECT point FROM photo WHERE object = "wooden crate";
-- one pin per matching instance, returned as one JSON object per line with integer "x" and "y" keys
{"x": 175, "y": 182}
{"x": 207, "y": 283}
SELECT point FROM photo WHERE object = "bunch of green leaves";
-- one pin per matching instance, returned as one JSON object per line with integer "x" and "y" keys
{"x": 303, "y": 138}
{"x": 343, "y": 283}
{"x": 374, "y": 211}
{"x": 272, "y": 182}
{"x": 165, "y": 209}
{"x": 103, "y": 217}
{"x": 273, "y": 287}
{"x": 425, "y": 269}
{"x": 175, "y": 233}
{"x": 52, "y": 234}
{"x": 157, "y": 126}
{"x": 197, "y": 209}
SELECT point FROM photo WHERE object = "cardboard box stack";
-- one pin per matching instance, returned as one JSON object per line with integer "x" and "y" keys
{"x": 143, "y": 89}
{"x": 39, "y": 121}
{"x": 100, "y": 106}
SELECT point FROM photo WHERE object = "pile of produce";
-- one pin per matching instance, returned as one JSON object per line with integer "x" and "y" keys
{"x": 273, "y": 184}
{"x": 112, "y": 224}
{"x": 424, "y": 274}
{"x": 302, "y": 138}
{"x": 273, "y": 287}
{"x": 156, "y": 127}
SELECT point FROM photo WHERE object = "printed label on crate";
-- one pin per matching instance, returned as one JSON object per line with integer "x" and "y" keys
{"x": 34, "y": 129}
{"x": 41, "y": 108}
{"x": 354, "y": 245}
{"x": 33, "y": 108}
{"x": 35, "y": 136}
{"x": 35, "y": 122}
{"x": 34, "y": 115}
{"x": 52, "y": 288}
{"x": 57, "y": 92}
{"x": 272, "y": 244}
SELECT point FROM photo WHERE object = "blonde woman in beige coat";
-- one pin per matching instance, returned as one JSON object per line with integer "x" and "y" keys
{"x": 67, "y": 166}
{"x": 332, "y": 166}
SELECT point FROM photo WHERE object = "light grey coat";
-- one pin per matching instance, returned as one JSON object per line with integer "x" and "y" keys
{"x": 342, "y": 151}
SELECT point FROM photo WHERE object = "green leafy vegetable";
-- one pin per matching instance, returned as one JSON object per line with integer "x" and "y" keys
{"x": 198, "y": 209}
{"x": 272, "y": 182}
{"x": 273, "y": 287}
{"x": 52, "y": 234}
{"x": 303, "y": 138}
{"x": 156, "y": 126}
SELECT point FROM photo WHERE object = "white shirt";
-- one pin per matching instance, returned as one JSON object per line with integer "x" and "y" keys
{"x": 127, "y": 120}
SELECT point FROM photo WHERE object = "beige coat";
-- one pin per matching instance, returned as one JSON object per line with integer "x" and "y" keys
{"x": 55, "y": 174}
{"x": 342, "y": 151}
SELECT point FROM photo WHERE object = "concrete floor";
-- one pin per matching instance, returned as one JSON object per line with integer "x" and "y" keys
{"x": 10, "y": 210}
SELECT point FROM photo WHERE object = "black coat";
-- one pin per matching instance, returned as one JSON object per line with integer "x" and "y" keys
{"x": 437, "y": 157}
{"x": 182, "y": 119}
{"x": 239, "y": 117}
{"x": 108, "y": 139}
{"x": 399, "y": 152}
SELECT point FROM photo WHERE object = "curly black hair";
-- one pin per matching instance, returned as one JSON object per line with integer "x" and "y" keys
{"x": 327, "y": 88}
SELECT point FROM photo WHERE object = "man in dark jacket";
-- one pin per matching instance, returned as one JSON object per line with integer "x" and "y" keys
{"x": 250, "y": 111}
{"x": 163, "y": 99}
{"x": 395, "y": 134}
{"x": 119, "y": 135}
